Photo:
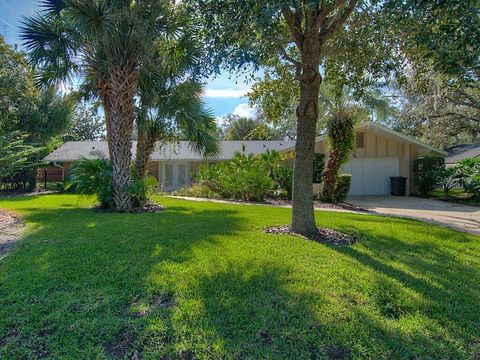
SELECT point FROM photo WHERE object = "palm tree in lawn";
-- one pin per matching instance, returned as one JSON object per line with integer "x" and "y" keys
{"x": 102, "y": 43}
{"x": 341, "y": 111}
{"x": 170, "y": 100}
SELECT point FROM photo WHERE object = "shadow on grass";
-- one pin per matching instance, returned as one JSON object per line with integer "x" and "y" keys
{"x": 95, "y": 285}
{"x": 434, "y": 276}
{"x": 72, "y": 280}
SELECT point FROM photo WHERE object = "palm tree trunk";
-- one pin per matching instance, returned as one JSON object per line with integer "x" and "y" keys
{"x": 145, "y": 147}
{"x": 105, "y": 92}
{"x": 303, "y": 217}
{"x": 124, "y": 79}
{"x": 329, "y": 178}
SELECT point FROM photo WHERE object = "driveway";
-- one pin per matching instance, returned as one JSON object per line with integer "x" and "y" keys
{"x": 460, "y": 217}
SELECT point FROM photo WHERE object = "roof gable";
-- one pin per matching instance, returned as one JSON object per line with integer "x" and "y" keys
{"x": 378, "y": 129}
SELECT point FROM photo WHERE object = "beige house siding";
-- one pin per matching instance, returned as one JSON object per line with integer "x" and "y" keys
{"x": 376, "y": 146}
{"x": 379, "y": 153}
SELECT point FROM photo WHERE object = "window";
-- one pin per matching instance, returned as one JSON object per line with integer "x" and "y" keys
{"x": 360, "y": 140}
{"x": 168, "y": 176}
{"x": 181, "y": 175}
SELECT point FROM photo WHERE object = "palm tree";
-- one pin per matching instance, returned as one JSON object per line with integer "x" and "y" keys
{"x": 341, "y": 110}
{"x": 105, "y": 44}
{"x": 171, "y": 106}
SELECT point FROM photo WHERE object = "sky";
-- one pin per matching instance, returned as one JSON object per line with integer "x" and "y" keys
{"x": 224, "y": 94}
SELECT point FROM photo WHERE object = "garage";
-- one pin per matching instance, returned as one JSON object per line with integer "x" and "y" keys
{"x": 371, "y": 176}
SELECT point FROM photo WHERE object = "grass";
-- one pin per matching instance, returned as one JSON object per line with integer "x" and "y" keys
{"x": 201, "y": 280}
{"x": 458, "y": 196}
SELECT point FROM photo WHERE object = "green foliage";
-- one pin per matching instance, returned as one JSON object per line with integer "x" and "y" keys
{"x": 249, "y": 177}
{"x": 318, "y": 167}
{"x": 93, "y": 177}
{"x": 141, "y": 189}
{"x": 197, "y": 191}
{"x": 469, "y": 176}
{"x": 15, "y": 154}
{"x": 86, "y": 124}
{"x": 446, "y": 179}
{"x": 40, "y": 114}
{"x": 424, "y": 173}
{"x": 17, "y": 90}
{"x": 442, "y": 33}
{"x": 237, "y": 128}
{"x": 238, "y": 291}
{"x": 245, "y": 177}
{"x": 342, "y": 187}
{"x": 280, "y": 172}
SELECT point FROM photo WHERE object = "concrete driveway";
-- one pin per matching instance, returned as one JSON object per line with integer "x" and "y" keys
{"x": 460, "y": 217}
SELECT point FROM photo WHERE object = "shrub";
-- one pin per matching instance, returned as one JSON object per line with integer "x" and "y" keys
{"x": 280, "y": 173}
{"x": 198, "y": 191}
{"x": 141, "y": 189}
{"x": 93, "y": 177}
{"x": 424, "y": 173}
{"x": 342, "y": 187}
{"x": 245, "y": 177}
{"x": 469, "y": 176}
{"x": 446, "y": 179}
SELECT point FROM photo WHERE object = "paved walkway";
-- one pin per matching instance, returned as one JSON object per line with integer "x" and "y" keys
{"x": 460, "y": 217}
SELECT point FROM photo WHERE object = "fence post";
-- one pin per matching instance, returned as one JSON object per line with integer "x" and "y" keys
{"x": 45, "y": 172}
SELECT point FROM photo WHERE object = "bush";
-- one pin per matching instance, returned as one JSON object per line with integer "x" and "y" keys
{"x": 424, "y": 173}
{"x": 141, "y": 189}
{"x": 468, "y": 173}
{"x": 249, "y": 177}
{"x": 446, "y": 179}
{"x": 198, "y": 191}
{"x": 343, "y": 187}
{"x": 93, "y": 177}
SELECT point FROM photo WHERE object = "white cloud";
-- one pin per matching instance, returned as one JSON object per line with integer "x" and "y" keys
{"x": 244, "y": 110}
{"x": 225, "y": 93}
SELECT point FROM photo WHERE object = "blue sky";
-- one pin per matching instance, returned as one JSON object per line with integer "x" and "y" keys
{"x": 224, "y": 94}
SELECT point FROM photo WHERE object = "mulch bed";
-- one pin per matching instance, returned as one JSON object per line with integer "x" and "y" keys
{"x": 11, "y": 228}
{"x": 328, "y": 236}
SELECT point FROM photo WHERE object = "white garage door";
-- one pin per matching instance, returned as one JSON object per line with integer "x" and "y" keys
{"x": 371, "y": 176}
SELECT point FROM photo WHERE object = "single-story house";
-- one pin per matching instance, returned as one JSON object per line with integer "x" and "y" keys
{"x": 458, "y": 153}
{"x": 379, "y": 154}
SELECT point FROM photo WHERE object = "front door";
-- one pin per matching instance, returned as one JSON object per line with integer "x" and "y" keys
{"x": 175, "y": 176}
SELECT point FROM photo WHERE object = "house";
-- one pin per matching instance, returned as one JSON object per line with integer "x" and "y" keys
{"x": 458, "y": 153}
{"x": 379, "y": 154}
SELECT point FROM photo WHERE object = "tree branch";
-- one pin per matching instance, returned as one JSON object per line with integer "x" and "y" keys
{"x": 474, "y": 119}
{"x": 296, "y": 63}
{"x": 294, "y": 21}
{"x": 325, "y": 10}
{"x": 327, "y": 32}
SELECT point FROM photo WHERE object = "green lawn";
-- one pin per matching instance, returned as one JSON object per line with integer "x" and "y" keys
{"x": 201, "y": 280}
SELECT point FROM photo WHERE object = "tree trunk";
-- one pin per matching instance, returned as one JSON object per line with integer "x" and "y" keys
{"x": 124, "y": 79}
{"x": 105, "y": 92}
{"x": 145, "y": 147}
{"x": 108, "y": 126}
{"x": 329, "y": 178}
{"x": 303, "y": 217}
